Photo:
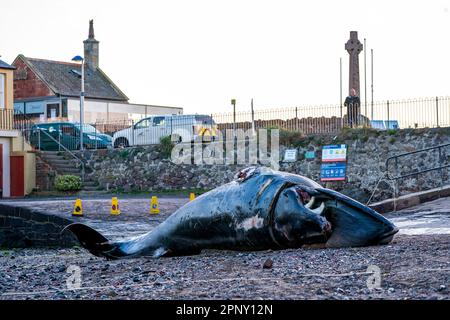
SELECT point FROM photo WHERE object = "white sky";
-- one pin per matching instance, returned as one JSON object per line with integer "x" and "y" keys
{"x": 198, "y": 54}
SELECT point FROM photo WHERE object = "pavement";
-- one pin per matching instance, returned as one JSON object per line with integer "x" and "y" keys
{"x": 415, "y": 265}
{"x": 425, "y": 219}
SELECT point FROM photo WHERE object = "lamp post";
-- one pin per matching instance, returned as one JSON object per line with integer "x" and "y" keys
{"x": 233, "y": 102}
{"x": 80, "y": 59}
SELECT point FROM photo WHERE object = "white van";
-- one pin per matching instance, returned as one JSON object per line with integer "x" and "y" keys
{"x": 181, "y": 128}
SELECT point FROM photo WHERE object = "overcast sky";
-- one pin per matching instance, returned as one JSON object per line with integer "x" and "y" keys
{"x": 198, "y": 54}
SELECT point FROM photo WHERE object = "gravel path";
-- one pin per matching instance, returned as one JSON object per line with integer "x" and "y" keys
{"x": 415, "y": 265}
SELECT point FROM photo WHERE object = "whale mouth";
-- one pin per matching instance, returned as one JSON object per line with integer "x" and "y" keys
{"x": 348, "y": 222}
{"x": 354, "y": 224}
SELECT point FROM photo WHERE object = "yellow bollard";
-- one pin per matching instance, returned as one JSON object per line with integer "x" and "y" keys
{"x": 78, "y": 208}
{"x": 154, "y": 207}
{"x": 115, "y": 206}
{"x": 191, "y": 196}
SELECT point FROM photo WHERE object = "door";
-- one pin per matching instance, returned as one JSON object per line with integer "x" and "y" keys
{"x": 160, "y": 128}
{"x": 141, "y": 132}
{"x": 53, "y": 110}
{"x": 17, "y": 176}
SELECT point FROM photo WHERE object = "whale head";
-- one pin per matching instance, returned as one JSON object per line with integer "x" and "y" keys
{"x": 306, "y": 215}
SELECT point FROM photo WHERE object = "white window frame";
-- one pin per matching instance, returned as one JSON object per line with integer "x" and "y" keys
{"x": 2, "y": 91}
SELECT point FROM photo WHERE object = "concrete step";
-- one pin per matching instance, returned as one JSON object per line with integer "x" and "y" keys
{"x": 88, "y": 188}
{"x": 90, "y": 183}
{"x": 66, "y": 168}
{"x": 51, "y": 155}
{"x": 75, "y": 172}
{"x": 410, "y": 200}
{"x": 92, "y": 192}
{"x": 59, "y": 161}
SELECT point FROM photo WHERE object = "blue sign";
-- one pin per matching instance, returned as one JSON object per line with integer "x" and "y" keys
{"x": 333, "y": 171}
{"x": 384, "y": 124}
{"x": 310, "y": 155}
{"x": 34, "y": 107}
{"x": 19, "y": 107}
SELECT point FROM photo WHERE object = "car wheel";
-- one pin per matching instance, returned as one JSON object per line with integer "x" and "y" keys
{"x": 121, "y": 143}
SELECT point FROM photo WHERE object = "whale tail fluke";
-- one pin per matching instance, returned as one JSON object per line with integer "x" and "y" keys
{"x": 94, "y": 241}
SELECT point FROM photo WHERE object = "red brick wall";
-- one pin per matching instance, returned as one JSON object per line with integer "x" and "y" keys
{"x": 30, "y": 86}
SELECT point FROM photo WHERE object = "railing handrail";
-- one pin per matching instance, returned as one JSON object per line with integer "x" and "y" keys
{"x": 67, "y": 150}
{"x": 416, "y": 172}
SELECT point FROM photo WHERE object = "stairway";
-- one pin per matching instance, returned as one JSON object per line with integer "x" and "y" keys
{"x": 63, "y": 164}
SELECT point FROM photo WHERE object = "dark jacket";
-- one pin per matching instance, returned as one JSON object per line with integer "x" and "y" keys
{"x": 352, "y": 101}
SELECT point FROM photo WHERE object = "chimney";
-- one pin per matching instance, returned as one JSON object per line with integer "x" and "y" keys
{"x": 91, "y": 48}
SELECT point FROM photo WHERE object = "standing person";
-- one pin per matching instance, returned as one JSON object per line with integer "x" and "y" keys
{"x": 352, "y": 102}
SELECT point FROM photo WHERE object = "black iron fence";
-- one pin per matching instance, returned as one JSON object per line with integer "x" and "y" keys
{"x": 412, "y": 113}
{"x": 390, "y": 114}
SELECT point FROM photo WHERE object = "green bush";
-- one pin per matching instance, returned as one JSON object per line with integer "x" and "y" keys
{"x": 166, "y": 146}
{"x": 286, "y": 137}
{"x": 68, "y": 183}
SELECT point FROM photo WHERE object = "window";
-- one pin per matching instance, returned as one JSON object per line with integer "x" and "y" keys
{"x": 53, "y": 110}
{"x": 68, "y": 129}
{"x": 158, "y": 121}
{"x": 142, "y": 124}
{"x": 2, "y": 91}
{"x": 64, "y": 108}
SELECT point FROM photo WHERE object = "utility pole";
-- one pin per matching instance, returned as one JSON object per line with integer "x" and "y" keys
{"x": 340, "y": 88}
{"x": 371, "y": 85}
{"x": 233, "y": 102}
{"x": 365, "y": 79}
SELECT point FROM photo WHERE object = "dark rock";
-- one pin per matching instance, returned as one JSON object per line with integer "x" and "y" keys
{"x": 268, "y": 264}
{"x": 137, "y": 269}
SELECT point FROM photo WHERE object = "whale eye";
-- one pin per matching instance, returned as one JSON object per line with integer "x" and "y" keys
{"x": 304, "y": 196}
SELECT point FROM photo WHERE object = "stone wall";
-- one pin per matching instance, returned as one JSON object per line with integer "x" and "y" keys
{"x": 23, "y": 227}
{"x": 45, "y": 175}
{"x": 146, "y": 169}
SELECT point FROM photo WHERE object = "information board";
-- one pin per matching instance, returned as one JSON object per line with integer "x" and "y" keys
{"x": 334, "y": 153}
{"x": 333, "y": 171}
{"x": 290, "y": 155}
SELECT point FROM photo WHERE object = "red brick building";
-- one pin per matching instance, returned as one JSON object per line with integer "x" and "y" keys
{"x": 48, "y": 90}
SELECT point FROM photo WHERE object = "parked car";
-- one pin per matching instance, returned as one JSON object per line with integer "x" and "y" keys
{"x": 181, "y": 128}
{"x": 49, "y": 136}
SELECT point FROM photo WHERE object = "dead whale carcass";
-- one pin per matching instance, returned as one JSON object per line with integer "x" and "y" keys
{"x": 260, "y": 209}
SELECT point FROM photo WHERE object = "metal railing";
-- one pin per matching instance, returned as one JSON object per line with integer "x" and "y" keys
{"x": 399, "y": 173}
{"x": 416, "y": 171}
{"x": 331, "y": 119}
{"x": 409, "y": 113}
{"x": 6, "y": 119}
{"x": 60, "y": 146}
